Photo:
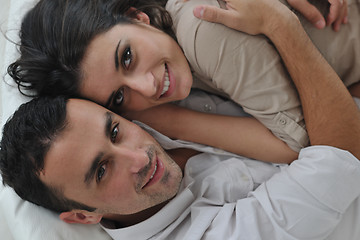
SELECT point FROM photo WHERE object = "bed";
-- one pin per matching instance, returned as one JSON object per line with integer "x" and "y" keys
{"x": 20, "y": 219}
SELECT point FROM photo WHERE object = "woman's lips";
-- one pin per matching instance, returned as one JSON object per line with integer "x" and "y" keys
{"x": 169, "y": 83}
{"x": 166, "y": 82}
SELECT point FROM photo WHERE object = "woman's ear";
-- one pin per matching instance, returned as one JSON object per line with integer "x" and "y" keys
{"x": 80, "y": 216}
{"x": 138, "y": 15}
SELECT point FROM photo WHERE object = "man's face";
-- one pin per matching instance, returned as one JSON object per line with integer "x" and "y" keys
{"x": 109, "y": 163}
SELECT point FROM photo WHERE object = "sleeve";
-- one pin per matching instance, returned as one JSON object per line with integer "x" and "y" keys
{"x": 308, "y": 199}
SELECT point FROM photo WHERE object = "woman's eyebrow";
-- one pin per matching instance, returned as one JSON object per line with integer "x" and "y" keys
{"x": 108, "y": 123}
{"x": 117, "y": 56}
{"x": 109, "y": 101}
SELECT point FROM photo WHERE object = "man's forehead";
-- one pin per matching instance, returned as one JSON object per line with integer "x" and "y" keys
{"x": 78, "y": 141}
{"x": 85, "y": 115}
{"x": 83, "y": 106}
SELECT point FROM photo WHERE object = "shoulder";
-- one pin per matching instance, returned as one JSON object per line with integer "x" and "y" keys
{"x": 204, "y": 43}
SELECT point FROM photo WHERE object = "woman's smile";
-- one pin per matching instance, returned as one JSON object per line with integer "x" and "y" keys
{"x": 149, "y": 68}
{"x": 169, "y": 83}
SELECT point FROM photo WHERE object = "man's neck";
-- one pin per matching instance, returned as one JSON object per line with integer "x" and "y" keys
{"x": 122, "y": 221}
{"x": 181, "y": 155}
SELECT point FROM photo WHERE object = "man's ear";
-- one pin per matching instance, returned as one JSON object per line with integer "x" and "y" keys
{"x": 80, "y": 216}
{"x": 138, "y": 15}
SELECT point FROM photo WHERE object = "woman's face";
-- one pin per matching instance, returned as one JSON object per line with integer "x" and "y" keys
{"x": 134, "y": 67}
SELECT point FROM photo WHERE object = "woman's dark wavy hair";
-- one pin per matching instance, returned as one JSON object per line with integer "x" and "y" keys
{"x": 27, "y": 137}
{"x": 54, "y": 36}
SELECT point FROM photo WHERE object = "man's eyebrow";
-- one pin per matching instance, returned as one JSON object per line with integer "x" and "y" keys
{"x": 117, "y": 56}
{"x": 91, "y": 172}
{"x": 95, "y": 163}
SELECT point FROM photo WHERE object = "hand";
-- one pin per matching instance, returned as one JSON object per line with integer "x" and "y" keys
{"x": 250, "y": 16}
{"x": 337, "y": 13}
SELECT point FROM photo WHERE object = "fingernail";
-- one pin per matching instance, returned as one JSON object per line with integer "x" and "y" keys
{"x": 320, "y": 24}
{"x": 199, "y": 12}
{"x": 346, "y": 19}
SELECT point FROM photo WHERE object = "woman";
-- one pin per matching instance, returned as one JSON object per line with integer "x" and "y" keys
{"x": 112, "y": 52}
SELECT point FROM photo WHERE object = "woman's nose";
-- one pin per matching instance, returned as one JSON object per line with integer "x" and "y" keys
{"x": 144, "y": 84}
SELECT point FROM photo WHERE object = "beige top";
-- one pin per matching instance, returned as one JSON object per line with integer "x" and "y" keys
{"x": 248, "y": 69}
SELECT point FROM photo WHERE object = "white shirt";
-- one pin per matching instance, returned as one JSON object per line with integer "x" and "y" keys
{"x": 219, "y": 198}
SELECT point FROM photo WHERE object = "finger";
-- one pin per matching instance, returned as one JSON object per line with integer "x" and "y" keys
{"x": 340, "y": 19}
{"x": 345, "y": 19}
{"x": 212, "y": 14}
{"x": 309, "y": 11}
{"x": 336, "y": 25}
{"x": 334, "y": 12}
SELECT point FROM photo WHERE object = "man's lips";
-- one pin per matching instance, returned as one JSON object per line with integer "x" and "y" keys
{"x": 155, "y": 173}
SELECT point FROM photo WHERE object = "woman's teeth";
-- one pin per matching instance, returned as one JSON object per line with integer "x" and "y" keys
{"x": 166, "y": 83}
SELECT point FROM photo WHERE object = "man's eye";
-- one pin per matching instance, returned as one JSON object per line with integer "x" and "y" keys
{"x": 126, "y": 58}
{"x": 101, "y": 172}
{"x": 119, "y": 97}
{"x": 114, "y": 133}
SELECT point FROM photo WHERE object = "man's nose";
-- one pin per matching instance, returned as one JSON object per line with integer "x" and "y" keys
{"x": 136, "y": 159}
{"x": 144, "y": 84}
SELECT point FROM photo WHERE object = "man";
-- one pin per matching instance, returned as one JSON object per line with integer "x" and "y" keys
{"x": 92, "y": 165}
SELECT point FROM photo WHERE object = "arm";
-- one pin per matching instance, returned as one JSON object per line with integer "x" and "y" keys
{"x": 331, "y": 115}
{"x": 331, "y": 118}
{"x": 241, "y": 135}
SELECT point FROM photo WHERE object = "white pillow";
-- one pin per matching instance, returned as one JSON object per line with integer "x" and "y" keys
{"x": 25, "y": 220}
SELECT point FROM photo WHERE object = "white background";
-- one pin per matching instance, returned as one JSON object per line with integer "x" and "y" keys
{"x": 4, "y": 11}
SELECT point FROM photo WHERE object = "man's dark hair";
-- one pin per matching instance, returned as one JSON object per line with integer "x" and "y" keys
{"x": 27, "y": 137}
{"x": 55, "y": 34}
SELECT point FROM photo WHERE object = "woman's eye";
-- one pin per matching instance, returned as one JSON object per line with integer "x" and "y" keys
{"x": 126, "y": 58}
{"x": 119, "y": 97}
{"x": 114, "y": 133}
{"x": 101, "y": 172}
